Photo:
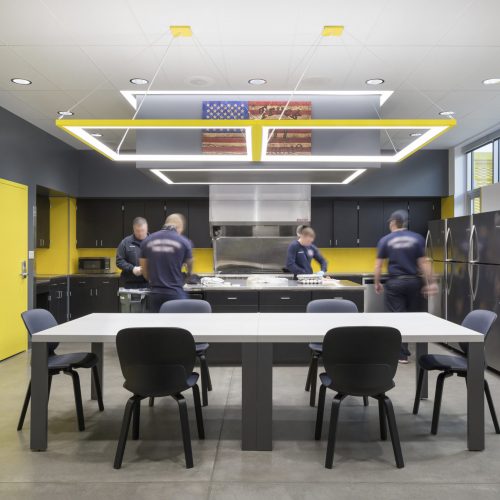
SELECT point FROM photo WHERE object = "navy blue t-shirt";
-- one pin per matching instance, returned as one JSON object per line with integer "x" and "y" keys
{"x": 402, "y": 249}
{"x": 166, "y": 252}
{"x": 298, "y": 258}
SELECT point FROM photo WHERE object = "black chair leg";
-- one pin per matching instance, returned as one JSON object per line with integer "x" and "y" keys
{"x": 136, "y": 420}
{"x": 309, "y": 371}
{"x": 25, "y": 408}
{"x": 437, "y": 402}
{"x": 418, "y": 392}
{"x": 332, "y": 433}
{"x": 393, "y": 429}
{"x": 204, "y": 379}
{"x": 491, "y": 406}
{"x": 198, "y": 412}
{"x": 78, "y": 399}
{"x": 209, "y": 379}
{"x": 365, "y": 401}
{"x": 321, "y": 409}
{"x": 186, "y": 436}
{"x": 151, "y": 402}
{"x": 122, "y": 441}
{"x": 98, "y": 387}
{"x": 313, "y": 381}
{"x": 382, "y": 419}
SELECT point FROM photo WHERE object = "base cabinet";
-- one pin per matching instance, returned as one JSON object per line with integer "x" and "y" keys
{"x": 58, "y": 299}
{"x": 93, "y": 295}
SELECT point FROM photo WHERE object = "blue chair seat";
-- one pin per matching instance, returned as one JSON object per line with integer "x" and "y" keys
{"x": 317, "y": 347}
{"x": 202, "y": 347}
{"x": 443, "y": 362}
{"x": 72, "y": 360}
{"x": 327, "y": 382}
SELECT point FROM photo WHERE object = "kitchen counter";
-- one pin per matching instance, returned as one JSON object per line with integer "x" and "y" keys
{"x": 240, "y": 284}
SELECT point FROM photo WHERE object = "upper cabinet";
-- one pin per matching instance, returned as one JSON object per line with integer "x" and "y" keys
{"x": 345, "y": 223}
{"x": 322, "y": 221}
{"x": 198, "y": 223}
{"x": 420, "y": 212}
{"x": 42, "y": 222}
{"x": 371, "y": 226}
{"x": 99, "y": 223}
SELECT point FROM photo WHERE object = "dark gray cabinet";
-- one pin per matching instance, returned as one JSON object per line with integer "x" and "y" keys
{"x": 322, "y": 221}
{"x": 420, "y": 212}
{"x": 131, "y": 210}
{"x": 284, "y": 301}
{"x": 42, "y": 222}
{"x": 198, "y": 226}
{"x": 58, "y": 298}
{"x": 391, "y": 205}
{"x": 155, "y": 213}
{"x": 233, "y": 301}
{"x": 93, "y": 295}
{"x": 99, "y": 223}
{"x": 345, "y": 223}
{"x": 371, "y": 225}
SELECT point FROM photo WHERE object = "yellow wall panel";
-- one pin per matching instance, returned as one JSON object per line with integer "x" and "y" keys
{"x": 447, "y": 207}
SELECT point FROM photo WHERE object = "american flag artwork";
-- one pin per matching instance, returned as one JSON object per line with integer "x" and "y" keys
{"x": 282, "y": 142}
{"x": 224, "y": 141}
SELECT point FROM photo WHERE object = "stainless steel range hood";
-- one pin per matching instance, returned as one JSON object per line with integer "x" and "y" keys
{"x": 252, "y": 225}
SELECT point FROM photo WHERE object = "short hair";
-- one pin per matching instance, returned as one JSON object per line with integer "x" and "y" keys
{"x": 139, "y": 221}
{"x": 305, "y": 230}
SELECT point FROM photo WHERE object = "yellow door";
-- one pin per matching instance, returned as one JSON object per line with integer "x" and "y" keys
{"x": 13, "y": 261}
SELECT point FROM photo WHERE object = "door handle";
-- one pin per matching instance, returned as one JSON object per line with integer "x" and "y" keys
{"x": 101, "y": 242}
{"x": 471, "y": 244}
{"x": 96, "y": 243}
{"x": 24, "y": 270}
{"x": 285, "y": 298}
{"x": 91, "y": 292}
{"x": 96, "y": 292}
{"x": 448, "y": 233}
{"x": 232, "y": 298}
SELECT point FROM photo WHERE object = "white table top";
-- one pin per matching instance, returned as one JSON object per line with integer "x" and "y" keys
{"x": 258, "y": 327}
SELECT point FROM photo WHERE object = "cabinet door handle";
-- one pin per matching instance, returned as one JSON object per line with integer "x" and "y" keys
{"x": 91, "y": 292}
{"x": 96, "y": 243}
{"x": 101, "y": 242}
{"x": 336, "y": 243}
{"x": 232, "y": 298}
{"x": 285, "y": 298}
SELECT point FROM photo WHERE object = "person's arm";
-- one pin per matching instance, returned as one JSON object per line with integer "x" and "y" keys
{"x": 425, "y": 268}
{"x": 121, "y": 261}
{"x": 320, "y": 259}
{"x": 378, "y": 271}
{"x": 188, "y": 259}
{"x": 144, "y": 266}
{"x": 291, "y": 261}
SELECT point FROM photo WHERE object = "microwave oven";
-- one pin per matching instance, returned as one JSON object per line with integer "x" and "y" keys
{"x": 94, "y": 265}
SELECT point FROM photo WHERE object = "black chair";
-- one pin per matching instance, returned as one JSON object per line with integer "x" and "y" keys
{"x": 360, "y": 361}
{"x": 479, "y": 320}
{"x": 37, "y": 320}
{"x": 158, "y": 362}
{"x": 193, "y": 306}
{"x": 324, "y": 306}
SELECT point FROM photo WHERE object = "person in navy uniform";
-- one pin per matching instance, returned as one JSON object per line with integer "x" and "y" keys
{"x": 404, "y": 252}
{"x": 163, "y": 255}
{"x": 302, "y": 251}
{"x": 128, "y": 253}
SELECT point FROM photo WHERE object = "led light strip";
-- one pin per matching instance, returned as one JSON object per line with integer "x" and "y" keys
{"x": 160, "y": 172}
{"x": 256, "y": 132}
{"x": 131, "y": 95}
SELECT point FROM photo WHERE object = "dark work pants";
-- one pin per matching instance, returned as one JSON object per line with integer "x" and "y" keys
{"x": 403, "y": 295}
{"x": 155, "y": 300}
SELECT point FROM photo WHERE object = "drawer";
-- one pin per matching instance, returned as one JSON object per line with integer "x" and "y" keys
{"x": 284, "y": 298}
{"x": 357, "y": 297}
{"x": 232, "y": 298}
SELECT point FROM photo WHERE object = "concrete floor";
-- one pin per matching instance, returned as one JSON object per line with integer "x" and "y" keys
{"x": 79, "y": 465}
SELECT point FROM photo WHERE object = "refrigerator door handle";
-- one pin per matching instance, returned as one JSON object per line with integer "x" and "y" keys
{"x": 449, "y": 282}
{"x": 471, "y": 243}
{"x": 446, "y": 240}
{"x": 428, "y": 239}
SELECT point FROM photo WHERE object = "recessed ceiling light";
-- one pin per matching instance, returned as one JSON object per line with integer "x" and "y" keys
{"x": 21, "y": 81}
{"x": 257, "y": 81}
{"x": 415, "y": 134}
{"x": 139, "y": 81}
{"x": 375, "y": 81}
{"x": 65, "y": 113}
{"x": 447, "y": 113}
{"x": 96, "y": 134}
{"x": 491, "y": 81}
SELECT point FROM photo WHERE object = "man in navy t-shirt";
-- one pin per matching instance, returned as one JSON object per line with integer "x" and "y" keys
{"x": 405, "y": 252}
{"x": 162, "y": 256}
{"x": 302, "y": 251}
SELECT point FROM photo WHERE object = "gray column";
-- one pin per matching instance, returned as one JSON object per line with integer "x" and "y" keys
{"x": 257, "y": 397}
{"x": 39, "y": 396}
{"x": 475, "y": 397}
{"x": 422, "y": 348}
{"x": 97, "y": 348}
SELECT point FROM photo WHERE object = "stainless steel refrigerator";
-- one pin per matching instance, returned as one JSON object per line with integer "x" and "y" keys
{"x": 484, "y": 274}
{"x": 435, "y": 251}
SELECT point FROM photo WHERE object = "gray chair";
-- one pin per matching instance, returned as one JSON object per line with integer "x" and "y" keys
{"x": 193, "y": 306}
{"x": 360, "y": 361}
{"x": 37, "y": 320}
{"x": 479, "y": 320}
{"x": 324, "y": 306}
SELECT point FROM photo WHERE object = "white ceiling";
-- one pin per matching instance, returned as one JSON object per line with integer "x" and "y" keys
{"x": 433, "y": 53}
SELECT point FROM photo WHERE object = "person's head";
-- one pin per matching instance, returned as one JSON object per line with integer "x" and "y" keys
{"x": 140, "y": 227}
{"x": 306, "y": 235}
{"x": 177, "y": 221}
{"x": 398, "y": 220}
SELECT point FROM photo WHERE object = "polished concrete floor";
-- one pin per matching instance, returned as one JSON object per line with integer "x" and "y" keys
{"x": 79, "y": 464}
